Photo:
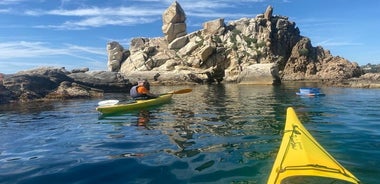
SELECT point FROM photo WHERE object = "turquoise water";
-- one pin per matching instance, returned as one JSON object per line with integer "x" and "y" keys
{"x": 215, "y": 134}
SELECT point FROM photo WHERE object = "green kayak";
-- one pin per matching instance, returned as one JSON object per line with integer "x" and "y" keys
{"x": 138, "y": 104}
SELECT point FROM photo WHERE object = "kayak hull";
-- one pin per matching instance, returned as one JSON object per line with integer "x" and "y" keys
{"x": 139, "y": 104}
{"x": 300, "y": 155}
{"x": 309, "y": 92}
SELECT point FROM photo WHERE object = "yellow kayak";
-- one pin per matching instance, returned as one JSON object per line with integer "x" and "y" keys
{"x": 302, "y": 159}
{"x": 139, "y": 104}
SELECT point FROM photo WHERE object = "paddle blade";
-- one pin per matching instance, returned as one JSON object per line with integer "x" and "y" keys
{"x": 181, "y": 91}
{"x": 108, "y": 102}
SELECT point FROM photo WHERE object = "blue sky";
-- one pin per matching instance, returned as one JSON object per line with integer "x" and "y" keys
{"x": 74, "y": 33}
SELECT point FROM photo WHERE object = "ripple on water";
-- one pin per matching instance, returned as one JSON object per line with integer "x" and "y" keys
{"x": 215, "y": 134}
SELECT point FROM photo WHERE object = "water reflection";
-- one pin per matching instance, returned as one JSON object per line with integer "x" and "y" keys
{"x": 143, "y": 119}
{"x": 214, "y": 125}
{"x": 27, "y": 107}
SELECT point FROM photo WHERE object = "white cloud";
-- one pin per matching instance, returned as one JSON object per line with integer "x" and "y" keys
{"x": 98, "y": 22}
{"x": 23, "y": 49}
{"x": 91, "y": 50}
{"x": 99, "y": 17}
{"x": 26, "y": 49}
{"x": 5, "y": 10}
{"x": 22, "y": 55}
{"x": 84, "y": 18}
{"x": 9, "y": 2}
{"x": 338, "y": 43}
{"x": 315, "y": 23}
{"x": 220, "y": 15}
{"x": 95, "y": 11}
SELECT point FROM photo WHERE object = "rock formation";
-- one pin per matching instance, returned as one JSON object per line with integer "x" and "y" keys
{"x": 307, "y": 62}
{"x": 173, "y": 20}
{"x": 230, "y": 53}
{"x": 57, "y": 83}
{"x": 116, "y": 54}
{"x": 268, "y": 13}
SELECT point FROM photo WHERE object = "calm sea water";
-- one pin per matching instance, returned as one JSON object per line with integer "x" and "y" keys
{"x": 215, "y": 134}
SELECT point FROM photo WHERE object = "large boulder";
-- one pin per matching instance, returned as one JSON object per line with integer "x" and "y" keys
{"x": 178, "y": 42}
{"x": 173, "y": 19}
{"x": 116, "y": 55}
{"x": 104, "y": 80}
{"x": 214, "y": 27}
{"x": 68, "y": 90}
{"x": 260, "y": 74}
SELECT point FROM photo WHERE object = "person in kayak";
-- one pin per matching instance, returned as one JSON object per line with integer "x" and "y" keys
{"x": 142, "y": 91}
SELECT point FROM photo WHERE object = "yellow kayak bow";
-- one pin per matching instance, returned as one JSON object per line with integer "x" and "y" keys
{"x": 300, "y": 157}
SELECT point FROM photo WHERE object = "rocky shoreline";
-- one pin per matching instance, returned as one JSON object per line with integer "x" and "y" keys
{"x": 266, "y": 49}
{"x": 46, "y": 84}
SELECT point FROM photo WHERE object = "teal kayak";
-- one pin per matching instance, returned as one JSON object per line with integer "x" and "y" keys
{"x": 137, "y": 105}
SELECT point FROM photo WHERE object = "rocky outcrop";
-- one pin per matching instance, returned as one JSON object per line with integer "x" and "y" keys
{"x": 228, "y": 52}
{"x": 368, "y": 80}
{"x": 58, "y": 83}
{"x": 216, "y": 53}
{"x": 33, "y": 84}
{"x": 307, "y": 62}
{"x": 106, "y": 81}
{"x": 68, "y": 90}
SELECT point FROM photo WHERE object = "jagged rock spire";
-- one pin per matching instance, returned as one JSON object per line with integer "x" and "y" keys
{"x": 268, "y": 12}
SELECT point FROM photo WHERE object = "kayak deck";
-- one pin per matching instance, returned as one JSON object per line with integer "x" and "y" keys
{"x": 139, "y": 104}
{"x": 300, "y": 155}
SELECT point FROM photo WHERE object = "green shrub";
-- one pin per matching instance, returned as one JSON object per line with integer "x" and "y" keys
{"x": 234, "y": 47}
{"x": 249, "y": 40}
{"x": 303, "y": 52}
{"x": 217, "y": 39}
{"x": 260, "y": 44}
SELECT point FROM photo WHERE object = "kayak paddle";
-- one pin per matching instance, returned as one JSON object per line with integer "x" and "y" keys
{"x": 181, "y": 91}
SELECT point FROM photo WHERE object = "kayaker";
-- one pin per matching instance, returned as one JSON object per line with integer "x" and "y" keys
{"x": 142, "y": 90}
